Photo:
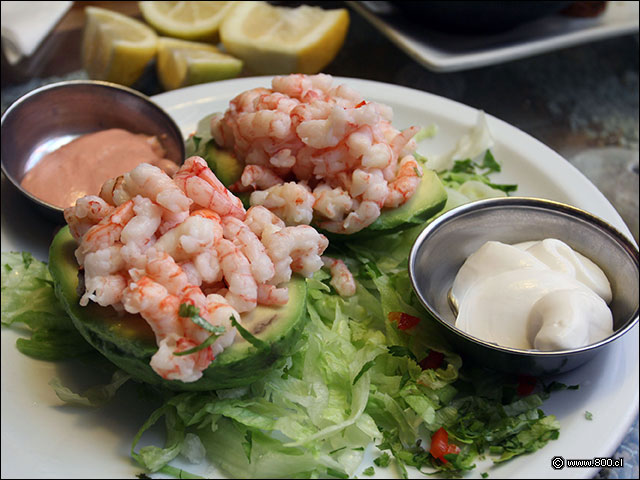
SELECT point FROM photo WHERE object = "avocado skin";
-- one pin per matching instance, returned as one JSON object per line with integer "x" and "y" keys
{"x": 128, "y": 341}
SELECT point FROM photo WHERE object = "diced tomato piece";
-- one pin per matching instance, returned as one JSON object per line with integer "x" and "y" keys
{"x": 432, "y": 361}
{"x": 440, "y": 445}
{"x": 452, "y": 448}
{"x": 526, "y": 385}
{"x": 361, "y": 104}
{"x": 404, "y": 320}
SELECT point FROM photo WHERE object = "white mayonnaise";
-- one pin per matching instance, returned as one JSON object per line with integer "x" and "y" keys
{"x": 539, "y": 295}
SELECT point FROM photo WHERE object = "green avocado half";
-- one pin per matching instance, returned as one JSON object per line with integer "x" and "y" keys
{"x": 429, "y": 198}
{"x": 128, "y": 341}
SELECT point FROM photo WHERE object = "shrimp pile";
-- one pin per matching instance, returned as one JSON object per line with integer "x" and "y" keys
{"x": 317, "y": 152}
{"x": 150, "y": 243}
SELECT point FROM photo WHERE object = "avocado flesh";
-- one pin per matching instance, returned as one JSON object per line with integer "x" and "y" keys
{"x": 128, "y": 341}
{"x": 223, "y": 164}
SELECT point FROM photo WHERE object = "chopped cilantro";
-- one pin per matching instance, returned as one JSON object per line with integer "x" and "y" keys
{"x": 400, "y": 351}
{"x": 362, "y": 371}
{"x": 383, "y": 460}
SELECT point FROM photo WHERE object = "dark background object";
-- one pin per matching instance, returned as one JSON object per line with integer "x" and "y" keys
{"x": 464, "y": 17}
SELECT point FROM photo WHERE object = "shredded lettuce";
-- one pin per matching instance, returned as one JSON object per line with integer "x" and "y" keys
{"x": 354, "y": 380}
{"x": 29, "y": 301}
{"x": 95, "y": 396}
{"x": 471, "y": 145}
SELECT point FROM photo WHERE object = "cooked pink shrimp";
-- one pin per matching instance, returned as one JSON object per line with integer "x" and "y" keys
{"x": 192, "y": 295}
{"x": 142, "y": 227}
{"x": 207, "y": 266}
{"x": 259, "y": 178}
{"x": 405, "y": 184}
{"x": 402, "y": 144}
{"x": 361, "y": 217}
{"x": 106, "y": 232}
{"x": 264, "y": 123}
{"x": 102, "y": 281}
{"x": 272, "y": 295}
{"x": 218, "y": 312}
{"x": 369, "y": 186}
{"x": 331, "y": 203}
{"x": 341, "y": 278}
{"x": 243, "y": 290}
{"x": 86, "y": 213}
{"x": 301, "y": 86}
{"x": 206, "y": 213}
{"x": 193, "y": 236}
{"x": 262, "y": 221}
{"x": 292, "y": 202}
{"x": 153, "y": 183}
{"x": 371, "y": 152}
{"x": 160, "y": 310}
{"x": 156, "y": 305}
{"x": 199, "y": 183}
{"x": 186, "y": 368}
{"x": 162, "y": 268}
{"x": 113, "y": 191}
{"x": 326, "y": 133}
{"x": 242, "y": 236}
{"x": 296, "y": 249}
{"x": 171, "y": 220}
{"x": 105, "y": 290}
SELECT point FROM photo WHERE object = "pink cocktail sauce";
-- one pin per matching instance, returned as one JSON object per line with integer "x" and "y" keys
{"x": 81, "y": 166}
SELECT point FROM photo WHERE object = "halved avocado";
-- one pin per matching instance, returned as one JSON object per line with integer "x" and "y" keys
{"x": 428, "y": 200}
{"x": 128, "y": 341}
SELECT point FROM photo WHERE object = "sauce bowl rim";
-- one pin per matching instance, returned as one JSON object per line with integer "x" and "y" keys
{"x": 66, "y": 83}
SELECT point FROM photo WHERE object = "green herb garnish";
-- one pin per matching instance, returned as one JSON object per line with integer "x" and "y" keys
{"x": 192, "y": 312}
{"x": 400, "y": 351}
{"x": 248, "y": 336}
{"x": 362, "y": 371}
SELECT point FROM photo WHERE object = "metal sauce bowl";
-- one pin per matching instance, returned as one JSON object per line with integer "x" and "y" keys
{"x": 46, "y": 118}
{"x": 444, "y": 245}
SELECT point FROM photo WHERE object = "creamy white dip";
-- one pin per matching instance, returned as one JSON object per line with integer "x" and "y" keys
{"x": 539, "y": 295}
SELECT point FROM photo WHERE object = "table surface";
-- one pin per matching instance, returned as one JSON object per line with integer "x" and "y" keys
{"x": 580, "y": 101}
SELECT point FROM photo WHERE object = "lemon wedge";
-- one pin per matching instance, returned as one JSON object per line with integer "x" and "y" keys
{"x": 186, "y": 20}
{"x": 280, "y": 40}
{"x": 116, "y": 48}
{"x": 181, "y": 63}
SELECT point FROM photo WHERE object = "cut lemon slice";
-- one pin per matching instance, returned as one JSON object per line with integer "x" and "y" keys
{"x": 186, "y": 20}
{"x": 116, "y": 48}
{"x": 280, "y": 40}
{"x": 181, "y": 63}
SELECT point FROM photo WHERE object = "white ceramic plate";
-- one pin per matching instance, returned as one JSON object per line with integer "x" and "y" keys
{"x": 43, "y": 438}
{"x": 442, "y": 52}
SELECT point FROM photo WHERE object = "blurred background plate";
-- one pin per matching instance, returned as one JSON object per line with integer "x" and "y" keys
{"x": 533, "y": 31}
